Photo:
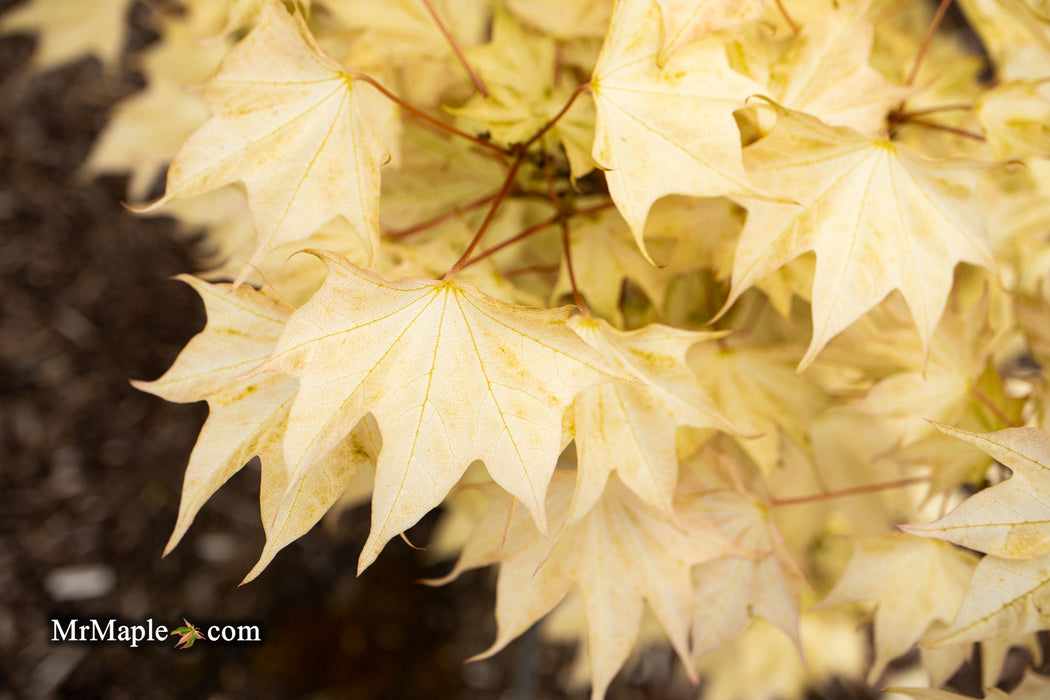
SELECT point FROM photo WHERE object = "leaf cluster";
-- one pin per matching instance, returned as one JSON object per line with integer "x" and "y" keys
{"x": 676, "y": 306}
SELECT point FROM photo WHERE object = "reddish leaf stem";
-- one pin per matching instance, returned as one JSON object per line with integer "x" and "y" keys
{"x": 441, "y": 218}
{"x": 787, "y": 17}
{"x": 944, "y": 127}
{"x": 508, "y": 183}
{"x": 519, "y": 151}
{"x": 905, "y": 116}
{"x": 535, "y": 228}
{"x": 855, "y": 491}
{"x": 942, "y": 8}
{"x": 565, "y": 242}
{"x": 420, "y": 114}
{"x": 474, "y": 77}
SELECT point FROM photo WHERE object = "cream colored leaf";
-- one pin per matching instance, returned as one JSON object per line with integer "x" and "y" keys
{"x": 286, "y": 123}
{"x": 450, "y": 375}
{"x": 731, "y": 590}
{"x": 878, "y": 216}
{"x": 1016, "y": 119}
{"x": 1007, "y": 598}
{"x": 146, "y": 130}
{"x": 825, "y": 72}
{"x": 70, "y": 30}
{"x": 685, "y": 20}
{"x": 669, "y": 130}
{"x": 565, "y": 19}
{"x": 623, "y": 555}
{"x": 1011, "y": 519}
{"x": 630, "y": 429}
{"x": 245, "y": 414}
{"x": 758, "y": 390}
{"x": 912, "y": 582}
{"x": 291, "y": 507}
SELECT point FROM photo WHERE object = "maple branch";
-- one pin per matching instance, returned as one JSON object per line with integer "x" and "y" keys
{"x": 565, "y": 243}
{"x": 519, "y": 151}
{"x": 441, "y": 218}
{"x": 902, "y": 116}
{"x": 420, "y": 114}
{"x": 944, "y": 127}
{"x": 942, "y": 8}
{"x": 980, "y": 396}
{"x": 535, "y": 228}
{"x": 855, "y": 491}
{"x": 474, "y": 77}
{"x": 554, "y": 120}
{"x": 508, "y": 183}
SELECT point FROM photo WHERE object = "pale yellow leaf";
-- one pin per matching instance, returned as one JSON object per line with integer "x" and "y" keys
{"x": 1016, "y": 119}
{"x": 685, "y": 20}
{"x": 824, "y": 72}
{"x": 912, "y": 582}
{"x": 623, "y": 555}
{"x": 68, "y": 30}
{"x": 245, "y": 414}
{"x": 1011, "y": 519}
{"x": 731, "y": 590}
{"x": 878, "y": 216}
{"x": 287, "y": 124}
{"x": 630, "y": 429}
{"x": 565, "y": 19}
{"x": 1007, "y": 598}
{"x": 450, "y": 375}
{"x": 667, "y": 130}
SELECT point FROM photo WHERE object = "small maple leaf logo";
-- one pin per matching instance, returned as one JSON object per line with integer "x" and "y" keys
{"x": 189, "y": 634}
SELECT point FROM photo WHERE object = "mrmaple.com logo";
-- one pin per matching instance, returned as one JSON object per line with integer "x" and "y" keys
{"x": 114, "y": 630}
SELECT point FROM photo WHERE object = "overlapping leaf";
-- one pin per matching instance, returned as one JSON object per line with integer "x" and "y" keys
{"x": 287, "y": 124}
{"x": 450, "y": 375}
{"x": 667, "y": 130}
{"x": 1011, "y": 519}
{"x": 630, "y": 429}
{"x": 623, "y": 555}
{"x": 878, "y": 216}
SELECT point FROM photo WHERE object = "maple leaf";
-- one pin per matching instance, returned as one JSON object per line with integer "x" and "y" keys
{"x": 1009, "y": 519}
{"x": 913, "y": 583}
{"x": 70, "y": 30}
{"x": 243, "y": 326}
{"x": 669, "y": 130}
{"x": 1015, "y": 118}
{"x": 146, "y": 130}
{"x": 188, "y": 635}
{"x": 685, "y": 20}
{"x": 758, "y": 390}
{"x": 878, "y": 216}
{"x": 451, "y": 376}
{"x": 1007, "y": 598}
{"x": 760, "y": 581}
{"x": 248, "y": 415}
{"x": 288, "y": 125}
{"x": 565, "y": 19}
{"x": 631, "y": 429}
{"x": 824, "y": 72}
{"x": 623, "y": 554}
